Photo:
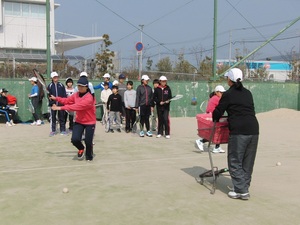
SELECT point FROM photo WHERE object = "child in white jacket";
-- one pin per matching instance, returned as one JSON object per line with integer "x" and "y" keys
{"x": 105, "y": 93}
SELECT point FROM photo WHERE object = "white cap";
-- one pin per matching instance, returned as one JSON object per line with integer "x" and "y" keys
{"x": 83, "y": 74}
{"x": 234, "y": 74}
{"x": 54, "y": 74}
{"x": 33, "y": 79}
{"x": 115, "y": 82}
{"x": 106, "y": 75}
{"x": 145, "y": 77}
{"x": 163, "y": 78}
{"x": 220, "y": 88}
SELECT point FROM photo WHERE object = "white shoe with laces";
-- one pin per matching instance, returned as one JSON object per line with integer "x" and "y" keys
{"x": 158, "y": 136}
{"x": 8, "y": 124}
{"x": 33, "y": 124}
{"x": 218, "y": 150}
{"x": 168, "y": 136}
{"x": 200, "y": 144}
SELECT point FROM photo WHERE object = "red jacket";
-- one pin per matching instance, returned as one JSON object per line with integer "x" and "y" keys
{"x": 212, "y": 103}
{"x": 84, "y": 107}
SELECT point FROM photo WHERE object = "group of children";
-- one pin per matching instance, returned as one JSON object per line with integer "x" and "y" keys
{"x": 139, "y": 102}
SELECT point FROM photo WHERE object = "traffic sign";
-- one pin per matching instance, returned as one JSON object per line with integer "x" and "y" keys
{"x": 139, "y": 46}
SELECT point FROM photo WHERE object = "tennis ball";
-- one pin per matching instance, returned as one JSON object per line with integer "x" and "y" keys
{"x": 278, "y": 164}
{"x": 65, "y": 190}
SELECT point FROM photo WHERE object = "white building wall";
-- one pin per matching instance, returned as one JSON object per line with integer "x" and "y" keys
{"x": 26, "y": 32}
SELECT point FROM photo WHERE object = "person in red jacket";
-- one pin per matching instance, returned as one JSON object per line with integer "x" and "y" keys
{"x": 211, "y": 105}
{"x": 81, "y": 102}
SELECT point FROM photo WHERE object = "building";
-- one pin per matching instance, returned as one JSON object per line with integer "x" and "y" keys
{"x": 23, "y": 32}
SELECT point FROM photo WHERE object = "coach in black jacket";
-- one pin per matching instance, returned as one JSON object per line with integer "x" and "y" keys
{"x": 244, "y": 131}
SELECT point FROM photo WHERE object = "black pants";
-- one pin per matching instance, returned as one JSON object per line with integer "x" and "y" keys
{"x": 241, "y": 156}
{"x": 145, "y": 112}
{"x": 130, "y": 118}
{"x": 76, "y": 139}
{"x": 35, "y": 104}
{"x": 61, "y": 120}
{"x": 163, "y": 122}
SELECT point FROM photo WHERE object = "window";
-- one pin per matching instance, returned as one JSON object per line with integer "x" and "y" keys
{"x": 25, "y": 10}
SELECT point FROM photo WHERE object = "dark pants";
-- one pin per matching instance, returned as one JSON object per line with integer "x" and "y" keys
{"x": 35, "y": 104}
{"x": 76, "y": 139}
{"x": 130, "y": 118}
{"x": 145, "y": 112}
{"x": 61, "y": 120}
{"x": 163, "y": 122}
{"x": 9, "y": 114}
{"x": 241, "y": 156}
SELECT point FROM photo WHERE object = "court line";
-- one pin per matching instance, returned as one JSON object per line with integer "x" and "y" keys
{"x": 99, "y": 164}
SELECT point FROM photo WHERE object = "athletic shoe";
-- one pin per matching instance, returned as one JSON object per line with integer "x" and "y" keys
{"x": 127, "y": 131}
{"x": 33, "y": 124}
{"x": 8, "y": 124}
{"x": 158, "y": 136}
{"x": 12, "y": 123}
{"x": 149, "y": 133}
{"x": 38, "y": 122}
{"x": 80, "y": 154}
{"x": 63, "y": 133}
{"x": 218, "y": 150}
{"x": 234, "y": 195}
{"x": 111, "y": 130}
{"x": 200, "y": 144}
{"x": 142, "y": 134}
{"x": 168, "y": 136}
{"x": 119, "y": 130}
{"x": 52, "y": 134}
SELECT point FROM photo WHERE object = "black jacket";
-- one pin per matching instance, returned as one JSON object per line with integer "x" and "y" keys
{"x": 57, "y": 90}
{"x": 162, "y": 94}
{"x": 144, "y": 96}
{"x": 238, "y": 103}
{"x": 114, "y": 103}
{"x": 3, "y": 102}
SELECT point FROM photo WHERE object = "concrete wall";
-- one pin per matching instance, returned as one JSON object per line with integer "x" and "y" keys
{"x": 267, "y": 96}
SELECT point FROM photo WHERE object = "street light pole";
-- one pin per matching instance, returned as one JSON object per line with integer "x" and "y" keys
{"x": 214, "y": 70}
{"x": 141, "y": 53}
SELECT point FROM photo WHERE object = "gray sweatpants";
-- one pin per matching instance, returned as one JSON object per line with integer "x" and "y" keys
{"x": 241, "y": 156}
{"x": 114, "y": 116}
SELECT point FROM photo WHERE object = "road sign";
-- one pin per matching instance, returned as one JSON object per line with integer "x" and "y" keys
{"x": 139, "y": 46}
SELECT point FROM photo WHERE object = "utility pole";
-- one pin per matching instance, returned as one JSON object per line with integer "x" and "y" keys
{"x": 141, "y": 53}
{"x": 48, "y": 34}
{"x": 214, "y": 70}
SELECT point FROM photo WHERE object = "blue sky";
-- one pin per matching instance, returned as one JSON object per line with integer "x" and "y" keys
{"x": 181, "y": 26}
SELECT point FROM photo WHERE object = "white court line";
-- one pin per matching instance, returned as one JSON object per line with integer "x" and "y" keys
{"x": 92, "y": 164}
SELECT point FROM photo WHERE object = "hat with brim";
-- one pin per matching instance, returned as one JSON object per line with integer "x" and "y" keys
{"x": 83, "y": 81}
{"x": 219, "y": 88}
{"x": 145, "y": 77}
{"x": 234, "y": 74}
{"x": 34, "y": 79}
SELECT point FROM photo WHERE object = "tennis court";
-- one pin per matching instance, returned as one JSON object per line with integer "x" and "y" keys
{"x": 137, "y": 181}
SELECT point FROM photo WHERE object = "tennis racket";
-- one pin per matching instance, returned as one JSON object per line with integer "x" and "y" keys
{"x": 42, "y": 81}
{"x": 203, "y": 106}
{"x": 107, "y": 125}
{"x": 137, "y": 120}
{"x": 176, "y": 97}
{"x": 30, "y": 106}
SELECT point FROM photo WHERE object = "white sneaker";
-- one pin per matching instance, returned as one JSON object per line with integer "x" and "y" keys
{"x": 12, "y": 123}
{"x": 8, "y": 124}
{"x": 33, "y": 124}
{"x": 234, "y": 195}
{"x": 168, "y": 136}
{"x": 38, "y": 123}
{"x": 218, "y": 150}
{"x": 158, "y": 136}
{"x": 200, "y": 144}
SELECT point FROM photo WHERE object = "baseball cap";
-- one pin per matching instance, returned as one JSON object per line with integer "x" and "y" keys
{"x": 83, "y": 74}
{"x": 106, "y": 75}
{"x": 122, "y": 76}
{"x": 83, "y": 81}
{"x": 234, "y": 74}
{"x": 34, "y": 79}
{"x": 163, "y": 78}
{"x": 54, "y": 74}
{"x": 3, "y": 90}
{"x": 220, "y": 88}
{"x": 115, "y": 82}
{"x": 145, "y": 77}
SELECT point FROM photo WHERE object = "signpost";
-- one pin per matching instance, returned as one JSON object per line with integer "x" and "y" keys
{"x": 139, "y": 47}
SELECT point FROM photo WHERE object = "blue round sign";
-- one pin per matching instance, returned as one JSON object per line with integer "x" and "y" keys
{"x": 139, "y": 46}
